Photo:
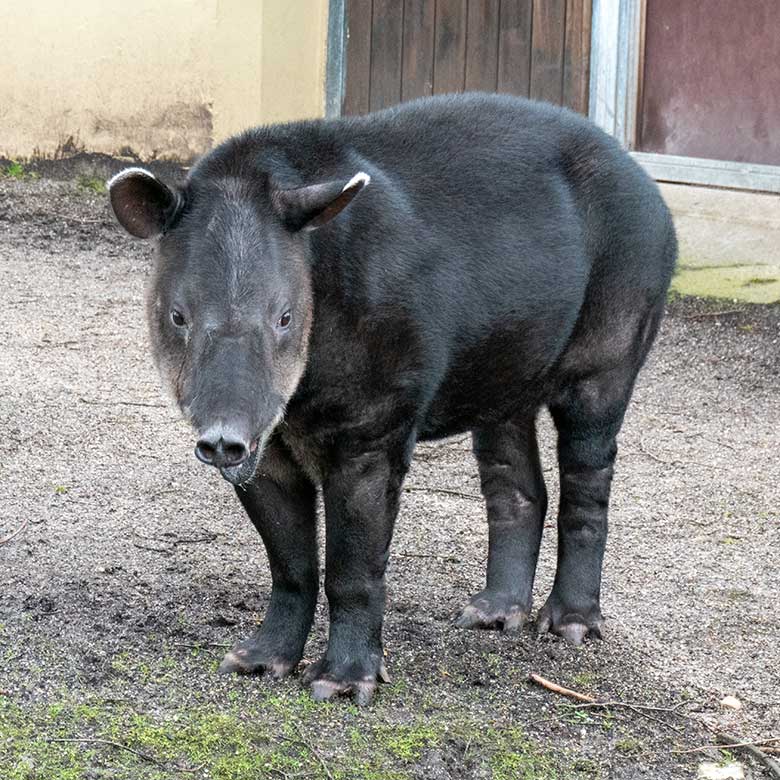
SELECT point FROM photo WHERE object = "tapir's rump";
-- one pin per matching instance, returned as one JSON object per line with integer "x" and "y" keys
{"x": 327, "y": 293}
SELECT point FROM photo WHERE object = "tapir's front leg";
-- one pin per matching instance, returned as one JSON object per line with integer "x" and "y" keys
{"x": 361, "y": 497}
{"x": 280, "y": 502}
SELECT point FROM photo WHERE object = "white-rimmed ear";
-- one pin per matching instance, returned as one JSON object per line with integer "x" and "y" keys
{"x": 142, "y": 203}
{"x": 307, "y": 208}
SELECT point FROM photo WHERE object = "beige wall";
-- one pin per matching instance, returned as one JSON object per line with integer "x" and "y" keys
{"x": 162, "y": 78}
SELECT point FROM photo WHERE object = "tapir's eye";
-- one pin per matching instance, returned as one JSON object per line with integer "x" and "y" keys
{"x": 284, "y": 320}
{"x": 177, "y": 318}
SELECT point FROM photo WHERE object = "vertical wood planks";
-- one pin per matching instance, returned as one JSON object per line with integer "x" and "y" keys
{"x": 514, "y": 47}
{"x": 386, "y": 47}
{"x": 576, "y": 58}
{"x": 482, "y": 45}
{"x": 449, "y": 64}
{"x": 404, "y": 49}
{"x": 547, "y": 42}
{"x": 358, "y": 57}
{"x": 418, "y": 49}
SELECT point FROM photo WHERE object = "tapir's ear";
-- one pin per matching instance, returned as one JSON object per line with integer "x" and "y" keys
{"x": 307, "y": 208}
{"x": 142, "y": 203}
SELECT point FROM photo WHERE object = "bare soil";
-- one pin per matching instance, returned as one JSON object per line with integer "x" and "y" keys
{"x": 136, "y": 562}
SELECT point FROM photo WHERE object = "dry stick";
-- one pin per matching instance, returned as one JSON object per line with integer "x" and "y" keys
{"x": 15, "y": 533}
{"x": 589, "y": 701}
{"x": 447, "y": 492}
{"x": 445, "y": 558}
{"x": 92, "y": 402}
{"x": 676, "y": 461}
{"x": 654, "y": 457}
{"x": 555, "y": 688}
{"x": 120, "y": 746}
{"x": 730, "y": 740}
{"x": 723, "y": 313}
{"x": 305, "y": 742}
{"x": 772, "y": 766}
{"x": 630, "y": 705}
{"x": 721, "y": 746}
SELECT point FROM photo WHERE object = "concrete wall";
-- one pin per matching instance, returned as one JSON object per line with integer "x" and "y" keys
{"x": 154, "y": 78}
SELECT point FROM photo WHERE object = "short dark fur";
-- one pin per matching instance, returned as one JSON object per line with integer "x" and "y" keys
{"x": 506, "y": 255}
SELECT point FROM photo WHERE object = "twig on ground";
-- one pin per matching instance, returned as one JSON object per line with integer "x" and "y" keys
{"x": 711, "y": 441}
{"x": 642, "y": 710}
{"x": 445, "y": 491}
{"x": 93, "y": 402}
{"x": 724, "y": 740}
{"x": 199, "y": 645}
{"x": 655, "y": 457}
{"x": 629, "y": 705}
{"x": 172, "y": 542}
{"x": 675, "y": 461}
{"x": 120, "y": 746}
{"x": 726, "y": 744}
{"x": 445, "y": 558}
{"x": 723, "y": 313}
{"x": 164, "y": 550}
{"x": 14, "y": 534}
{"x": 54, "y": 344}
{"x": 555, "y": 688}
{"x": 308, "y": 745}
{"x": 729, "y": 741}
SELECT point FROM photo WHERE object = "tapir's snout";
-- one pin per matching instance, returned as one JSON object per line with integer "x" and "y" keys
{"x": 224, "y": 446}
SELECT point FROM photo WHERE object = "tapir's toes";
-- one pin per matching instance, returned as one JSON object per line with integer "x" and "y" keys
{"x": 243, "y": 660}
{"x": 572, "y": 626}
{"x": 493, "y": 610}
{"x": 328, "y": 682}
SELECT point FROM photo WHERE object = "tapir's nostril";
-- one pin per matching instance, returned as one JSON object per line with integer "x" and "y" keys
{"x": 205, "y": 452}
{"x": 235, "y": 453}
{"x": 220, "y": 448}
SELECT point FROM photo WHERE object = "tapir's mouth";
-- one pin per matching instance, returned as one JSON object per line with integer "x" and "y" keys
{"x": 237, "y": 475}
{"x": 244, "y": 472}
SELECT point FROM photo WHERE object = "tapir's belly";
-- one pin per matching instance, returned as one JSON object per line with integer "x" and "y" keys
{"x": 505, "y": 374}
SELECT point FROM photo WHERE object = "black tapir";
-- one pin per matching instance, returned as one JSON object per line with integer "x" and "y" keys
{"x": 327, "y": 293}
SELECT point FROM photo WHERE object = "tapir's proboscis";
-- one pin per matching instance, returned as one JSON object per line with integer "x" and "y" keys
{"x": 328, "y": 293}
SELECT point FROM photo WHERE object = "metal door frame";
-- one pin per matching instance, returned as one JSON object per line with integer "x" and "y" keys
{"x": 335, "y": 71}
{"x": 617, "y": 49}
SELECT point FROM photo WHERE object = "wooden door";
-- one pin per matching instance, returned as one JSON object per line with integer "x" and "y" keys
{"x": 711, "y": 80}
{"x": 398, "y": 50}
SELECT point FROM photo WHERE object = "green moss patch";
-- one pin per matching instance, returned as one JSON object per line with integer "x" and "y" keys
{"x": 749, "y": 283}
{"x": 287, "y": 736}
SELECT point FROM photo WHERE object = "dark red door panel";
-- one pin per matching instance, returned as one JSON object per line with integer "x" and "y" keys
{"x": 711, "y": 85}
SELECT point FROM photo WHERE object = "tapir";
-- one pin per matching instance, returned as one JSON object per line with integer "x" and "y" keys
{"x": 327, "y": 293}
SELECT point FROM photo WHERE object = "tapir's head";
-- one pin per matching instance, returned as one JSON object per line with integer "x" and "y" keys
{"x": 230, "y": 300}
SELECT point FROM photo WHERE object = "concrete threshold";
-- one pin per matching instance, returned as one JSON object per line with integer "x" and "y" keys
{"x": 729, "y": 243}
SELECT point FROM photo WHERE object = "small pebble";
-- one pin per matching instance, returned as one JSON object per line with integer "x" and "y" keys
{"x": 731, "y": 703}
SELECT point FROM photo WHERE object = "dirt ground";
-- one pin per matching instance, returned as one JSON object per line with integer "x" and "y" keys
{"x": 136, "y": 564}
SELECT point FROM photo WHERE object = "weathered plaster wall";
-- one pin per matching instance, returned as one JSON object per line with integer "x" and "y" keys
{"x": 155, "y": 79}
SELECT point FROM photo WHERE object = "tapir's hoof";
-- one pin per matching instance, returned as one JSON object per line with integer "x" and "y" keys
{"x": 572, "y": 626}
{"x": 493, "y": 610}
{"x": 328, "y": 680}
{"x": 246, "y": 658}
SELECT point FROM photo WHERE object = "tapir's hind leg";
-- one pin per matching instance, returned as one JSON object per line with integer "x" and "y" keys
{"x": 588, "y": 413}
{"x": 516, "y": 500}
